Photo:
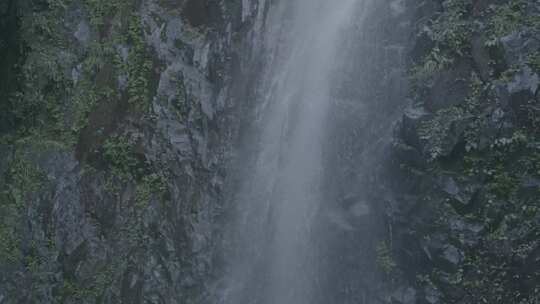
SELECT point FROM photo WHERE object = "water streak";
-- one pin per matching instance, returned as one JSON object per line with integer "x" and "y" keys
{"x": 279, "y": 199}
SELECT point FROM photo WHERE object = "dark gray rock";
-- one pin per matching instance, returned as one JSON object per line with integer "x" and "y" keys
{"x": 450, "y": 87}
{"x": 412, "y": 121}
{"x": 518, "y": 46}
{"x": 82, "y": 34}
{"x": 452, "y": 255}
{"x": 481, "y": 57}
{"x": 462, "y": 192}
{"x": 524, "y": 81}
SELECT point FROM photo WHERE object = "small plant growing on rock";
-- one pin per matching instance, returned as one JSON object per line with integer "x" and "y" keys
{"x": 385, "y": 260}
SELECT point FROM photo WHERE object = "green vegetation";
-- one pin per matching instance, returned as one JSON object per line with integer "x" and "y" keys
{"x": 22, "y": 179}
{"x": 69, "y": 98}
{"x": 422, "y": 75}
{"x": 450, "y": 32}
{"x": 385, "y": 260}
{"x": 437, "y": 131}
{"x": 119, "y": 152}
{"x": 102, "y": 11}
{"x": 49, "y": 102}
{"x": 506, "y": 18}
{"x": 534, "y": 61}
{"x": 37, "y": 105}
{"x": 10, "y": 252}
{"x": 152, "y": 185}
{"x": 138, "y": 68}
{"x": 490, "y": 147}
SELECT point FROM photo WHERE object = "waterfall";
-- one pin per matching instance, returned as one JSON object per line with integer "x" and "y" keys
{"x": 273, "y": 247}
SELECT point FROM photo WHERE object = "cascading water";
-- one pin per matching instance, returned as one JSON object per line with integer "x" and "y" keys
{"x": 273, "y": 255}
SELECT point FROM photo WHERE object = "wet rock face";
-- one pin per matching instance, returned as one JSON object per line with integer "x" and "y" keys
{"x": 463, "y": 147}
{"x": 356, "y": 259}
{"x": 111, "y": 173}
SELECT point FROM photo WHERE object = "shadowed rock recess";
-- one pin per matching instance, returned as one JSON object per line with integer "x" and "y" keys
{"x": 270, "y": 151}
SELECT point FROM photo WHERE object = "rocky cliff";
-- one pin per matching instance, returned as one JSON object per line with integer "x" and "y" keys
{"x": 114, "y": 123}
{"x": 465, "y": 215}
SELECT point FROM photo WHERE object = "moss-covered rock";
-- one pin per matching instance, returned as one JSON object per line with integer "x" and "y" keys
{"x": 476, "y": 238}
{"x": 107, "y": 130}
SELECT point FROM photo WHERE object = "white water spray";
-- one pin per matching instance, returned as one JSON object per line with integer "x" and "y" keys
{"x": 279, "y": 199}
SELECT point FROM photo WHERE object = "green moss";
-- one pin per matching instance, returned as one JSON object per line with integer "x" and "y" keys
{"x": 506, "y": 18}
{"x": 53, "y": 112}
{"x": 450, "y": 32}
{"x": 10, "y": 251}
{"x": 101, "y": 11}
{"x": 138, "y": 67}
{"x": 436, "y": 132}
{"x": 119, "y": 152}
{"x": 534, "y": 61}
{"x": 453, "y": 29}
{"x": 22, "y": 179}
{"x": 497, "y": 154}
{"x": 535, "y": 163}
{"x": 422, "y": 75}
{"x": 503, "y": 183}
{"x": 152, "y": 185}
{"x": 92, "y": 288}
{"x": 49, "y": 104}
{"x": 38, "y": 106}
{"x": 44, "y": 33}
{"x": 385, "y": 259}
{"x": 73, "y": 291}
